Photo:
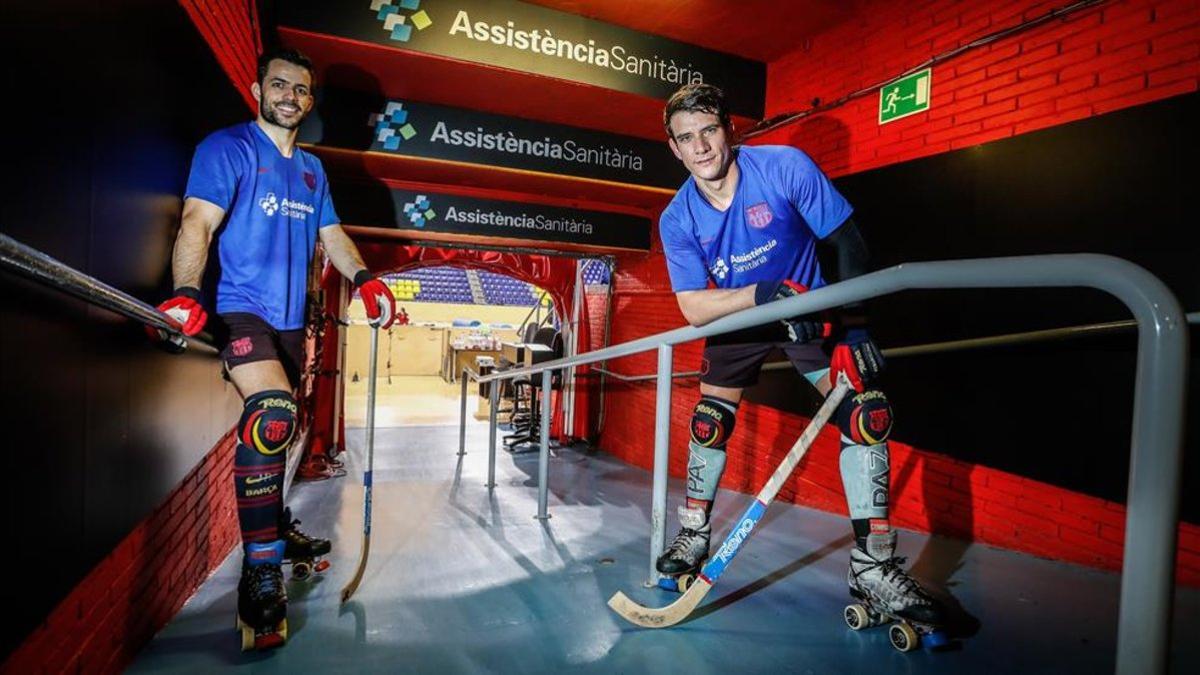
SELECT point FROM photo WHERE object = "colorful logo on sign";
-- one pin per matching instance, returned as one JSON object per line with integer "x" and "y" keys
{"x": 392, "y": 126}
{"x": 400, "y": 26}
{"x": 419, "y": 211}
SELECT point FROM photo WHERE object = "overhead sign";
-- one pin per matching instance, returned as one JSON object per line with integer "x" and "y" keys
{"x": 534, "y": 39}
{"x": 350, "y": 120}
{"x": 907, "y": 96}
{"x": 426, "y": 211}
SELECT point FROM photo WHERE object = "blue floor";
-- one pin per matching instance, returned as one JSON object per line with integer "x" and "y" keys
{"x": 461, "y": 581}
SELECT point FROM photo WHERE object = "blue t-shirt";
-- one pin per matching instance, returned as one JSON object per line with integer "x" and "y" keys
{"x": 783, "y": 204}
{"x": 274, "y": 206}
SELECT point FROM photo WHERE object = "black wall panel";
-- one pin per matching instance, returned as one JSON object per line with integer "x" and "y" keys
{"x": 104, "y": 104}
{"x": 1122, "y": 184}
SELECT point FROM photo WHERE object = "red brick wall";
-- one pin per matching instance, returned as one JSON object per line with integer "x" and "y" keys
{"x": 1112, "y": 56}
{"x": 132, "y": 593}
{"x": 1116, "y": 55}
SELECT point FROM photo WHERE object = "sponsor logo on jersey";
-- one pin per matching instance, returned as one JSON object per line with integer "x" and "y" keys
{"x": 719, "y": 269}
{"x": 287, "y": 207}
{"x": 759, "y": 215}
{"x": 251, "y": 480}
{"x": 269, "y": 204}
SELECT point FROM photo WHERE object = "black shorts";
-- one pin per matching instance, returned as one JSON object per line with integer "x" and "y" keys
{"x": 252, "y": 339}
{"x": 735, "y": 359}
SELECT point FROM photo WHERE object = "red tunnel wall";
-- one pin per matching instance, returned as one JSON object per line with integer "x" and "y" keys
{"x": 1117, "y": 55}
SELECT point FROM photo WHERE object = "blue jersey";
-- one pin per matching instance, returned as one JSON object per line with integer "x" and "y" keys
{"x": 274, "y": 206}
{"x": 783, "y": 204}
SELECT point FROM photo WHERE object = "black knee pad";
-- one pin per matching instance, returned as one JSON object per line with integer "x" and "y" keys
{"x": 268, "y": 422}
{"x": 866, "y": 418}
{"x": 712, "y": 422}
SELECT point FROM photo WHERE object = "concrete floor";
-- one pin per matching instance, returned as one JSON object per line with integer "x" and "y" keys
{"x": 463, "y": 581}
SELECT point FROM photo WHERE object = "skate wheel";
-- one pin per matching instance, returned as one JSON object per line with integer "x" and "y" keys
{"x": 685, "y": 582}
{"x": 322, "y": 566}
{"x": 247, "y": 636}
{"x": 856, "y": 617}
{"x": 301, "y": 570}
{"x": 668, "y": 584}
{"x": 903, "y": 637}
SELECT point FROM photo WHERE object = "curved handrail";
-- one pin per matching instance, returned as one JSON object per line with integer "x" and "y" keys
{"x": 1004, "y": 340}
{"x": 33, "y": 264}
{"x": 1156, "y": 455}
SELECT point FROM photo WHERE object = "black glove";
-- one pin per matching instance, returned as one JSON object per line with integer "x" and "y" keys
{"x": 800, "y": 329}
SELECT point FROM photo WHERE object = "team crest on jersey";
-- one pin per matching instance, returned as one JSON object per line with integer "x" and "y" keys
{"x": 310, "y": 179}
{"x": 759, "y": 215}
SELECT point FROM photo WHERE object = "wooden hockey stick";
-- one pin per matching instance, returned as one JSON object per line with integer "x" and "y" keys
{"x": 349, "y": 589}
{"x": 661, "y": 617}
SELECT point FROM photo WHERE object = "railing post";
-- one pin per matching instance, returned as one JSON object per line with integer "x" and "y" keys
{"x": 494, "y": 402}
{"x": 462, "y": 416}
{"x": 544, "y": 454}
{"x": 662, "y": 444}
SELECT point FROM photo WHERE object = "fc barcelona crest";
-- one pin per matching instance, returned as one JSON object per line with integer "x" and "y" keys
{"x": 759, "y": 215}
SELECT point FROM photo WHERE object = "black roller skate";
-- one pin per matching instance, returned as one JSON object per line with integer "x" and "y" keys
{"x": 682, "y": 560}
{"x": 262, "y": 600}
{"x": 302, "y": 551}
{"x": 886, "y": 593}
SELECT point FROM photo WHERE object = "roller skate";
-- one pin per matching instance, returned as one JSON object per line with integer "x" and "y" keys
{"x": 302, "y": 551}
{"x": 262, "y": 600}
{"x": 683, "y": 558}
{"x": 886, "y": 593}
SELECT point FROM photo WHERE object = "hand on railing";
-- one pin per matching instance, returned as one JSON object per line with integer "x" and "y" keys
{"x": 801, "y": 329}
{"x": 185, "y": 308}
{"x": 377, "y": 299}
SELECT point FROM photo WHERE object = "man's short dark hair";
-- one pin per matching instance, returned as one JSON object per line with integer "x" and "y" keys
{"x": 699, "y": 97}
{"x": 292, "y": 56}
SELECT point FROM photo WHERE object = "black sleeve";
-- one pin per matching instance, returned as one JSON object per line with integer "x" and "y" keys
{"x": 843, "y": 255}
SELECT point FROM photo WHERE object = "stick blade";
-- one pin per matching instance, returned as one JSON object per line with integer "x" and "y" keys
{"x": 348, "y": 589}
{"x": 653, "y": 617}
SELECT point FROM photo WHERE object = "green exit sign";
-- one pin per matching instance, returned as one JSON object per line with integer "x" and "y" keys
{"x": 907, "y": 96}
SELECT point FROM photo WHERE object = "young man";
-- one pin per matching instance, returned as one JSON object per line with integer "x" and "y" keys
{"x": 267, "y": 201}
{"x": 750, "y": 221}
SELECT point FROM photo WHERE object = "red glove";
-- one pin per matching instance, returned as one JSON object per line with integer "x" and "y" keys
{"x": 377, "y": 299}
{"x": 858, "y": 357}
{"x": 185, "y": 308}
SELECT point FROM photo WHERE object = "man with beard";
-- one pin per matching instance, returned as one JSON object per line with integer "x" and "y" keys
{"x": 266, "y": 201}
{"x": 746, "y": 229}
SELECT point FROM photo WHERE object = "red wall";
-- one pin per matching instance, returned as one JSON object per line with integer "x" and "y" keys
{"x": 1113, "y": 56}
{"x": 103, "y": 623}
{"x": 1117, "y": 55}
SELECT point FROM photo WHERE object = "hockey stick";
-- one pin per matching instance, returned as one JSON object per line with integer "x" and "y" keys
{"x": 366, "y": 545}
{"x": 653, "y": 617}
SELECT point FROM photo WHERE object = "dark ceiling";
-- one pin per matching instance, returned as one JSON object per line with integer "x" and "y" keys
{"x": 762, "y": 30}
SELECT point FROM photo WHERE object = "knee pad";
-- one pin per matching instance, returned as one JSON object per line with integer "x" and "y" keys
{"x": 269, "y": 422}
{"x": 712, "y": 422}
{"x": 865, "y": 418}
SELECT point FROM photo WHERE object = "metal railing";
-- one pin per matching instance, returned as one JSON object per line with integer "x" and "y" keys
{"x": 33, "y": 264}
{"x": 1005, "y": 340}
{"x": 1156, "y": 451}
